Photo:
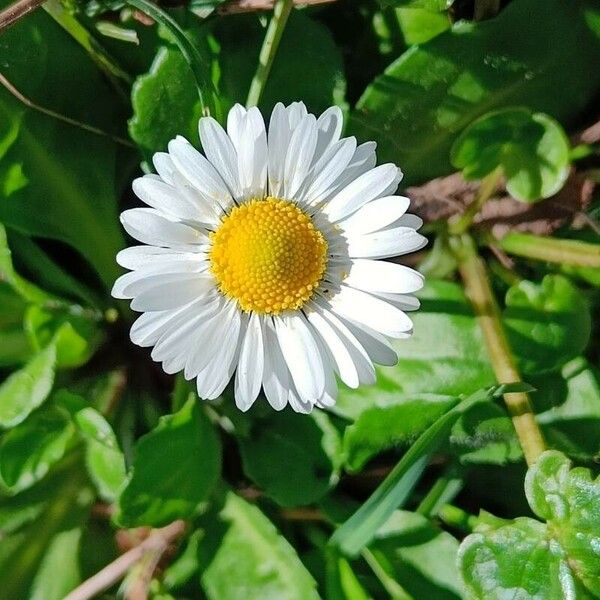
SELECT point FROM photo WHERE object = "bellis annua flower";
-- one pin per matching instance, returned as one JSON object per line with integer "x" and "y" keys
{"x": 261, "y": 258}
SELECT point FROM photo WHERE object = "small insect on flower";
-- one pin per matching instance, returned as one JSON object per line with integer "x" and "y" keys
{"x": 260, "y": 257}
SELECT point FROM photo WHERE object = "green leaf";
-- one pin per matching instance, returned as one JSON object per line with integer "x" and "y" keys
{"x": 50, "y": 188}
{"x": 306, "y": 44}
{"x": 165, "y": 102}
{"x": 28, "y": 451}
{"x": 310, "y": 443}
{"x": 342, "y": 582}
{"x": 104, "y": 460}
{"x": 419, "y": 556}
{"x": 378, "y": 429}
{"x": 431, "y": 5}
{"x": 531, "y": 149}
{"x": 446, "y": 355}
{"x": 360, "y": 528}
{"x": 426, "y": 97}
{"x": 26, "y": 389}
{"x": 270, "y": 568}
{"x": 419, "y": 25}
{"x": 175, "y": 468}
{"x": 556, "y": 559}
{"x": 15, "y": 348}
{"x": 59, "y": 570}
{"x": 76, "y": 336}
{"x": 485, "y": 435}
{"x": 547, "y": 324}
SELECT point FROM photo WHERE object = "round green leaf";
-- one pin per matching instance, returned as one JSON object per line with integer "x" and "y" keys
{"x": 531, "y": 149}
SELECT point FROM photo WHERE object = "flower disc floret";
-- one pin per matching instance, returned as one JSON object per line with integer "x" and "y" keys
{"x": 268, "y": 256}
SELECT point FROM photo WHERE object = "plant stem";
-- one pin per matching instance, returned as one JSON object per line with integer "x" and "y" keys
{"x": 443, "y": 491}
{"x": 281, "y": 13}
{"x": 457, "y": 518}
{"x": 156, "y": 543}
{"x": 479, "y": 291}
{"x": 565, "y": 252}
{"x": 391, "y": 586}
{"x": 83, "y": 37}
{"x": 11, "y": 14}
{"x": 459, "y": 224}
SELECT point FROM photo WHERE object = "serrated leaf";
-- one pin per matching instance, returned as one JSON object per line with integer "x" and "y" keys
{"x": 446, "y": 355}
{"x": 29, "y": 450}
{"x": 547, "y": 324}
{"x": 175, "y": 467}
{"x": 310, "y": 443}
{"x": 529, "y": 559}
{"x": 378, "y": 429}
{"x": 26, "y": 389}
{"x": 426, "y": 97}
{"x": 270, "y": 568}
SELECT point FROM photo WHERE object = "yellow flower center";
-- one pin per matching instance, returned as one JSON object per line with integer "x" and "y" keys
{"x": 268, "y": 255}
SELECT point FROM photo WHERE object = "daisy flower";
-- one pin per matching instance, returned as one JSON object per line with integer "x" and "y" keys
{"x": 260, "y": 258}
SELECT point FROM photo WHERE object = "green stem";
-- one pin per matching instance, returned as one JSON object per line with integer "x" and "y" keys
{"x": 201, "y": 71}
{"x": 564, "y": 252}
{"x": 479, "y": 291}
{"x": 443, "y": 491}
{"x": 83, "y": 37}
{"x": 391, "y": 586}
{"x": 461, "y": 223}
{"x": 281, "y": 12}
{"x": 457, "y": 518}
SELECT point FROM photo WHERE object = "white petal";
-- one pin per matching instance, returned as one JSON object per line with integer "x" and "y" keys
{"x": 329, "y": 129}
{"x": 386, "y": 243}
{"x": 252, "y": 155}
{"x": 206, "y": 342}
{"x": 276, "y": 379}
{"x": 301, "y": 355}
{"x": 149, "y": 227}
{"x": 375, "y": 215}
{"x": 365, "y": 188}
{"x": 364, "y": 160}
{"x": 175, "y": 341}
{"x": 299, "y": 155}
{"x": 298, "y": 405}
{"x": 149, "y": 326}
{"x": 213, "y": 379}
{"x": 249, "y": 374}
{"x": 135, "y": 257}
{"x": 235, "y": 119}
{"x": 377, "y": 347}
{"x": 373, "y": 312}
{"x": 131, "y": 284}
{"x": 381, "y": 276}
{"x": 179, "y": 290}
{"x": 220, "y": 151}
{"x": 199, "y": 172}
{"x": 164, "y": 197}
{"x": 330, "y": 390}
{"x": 327, "y": 171}
{"x": 164, "y": 166}
{"x": 339, "y": 352}
{"x": 362, "y": 362}
{"x": 404, "y": 302}
{"x": 278, "y": 141}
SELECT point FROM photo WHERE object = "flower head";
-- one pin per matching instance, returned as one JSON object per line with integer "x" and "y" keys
{"x": 261, "y": 258}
